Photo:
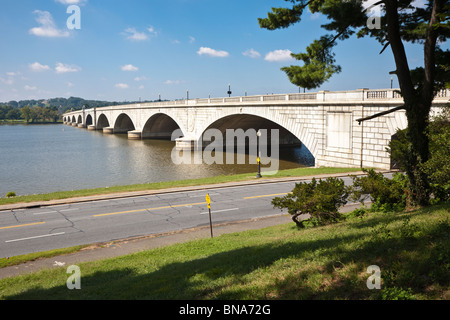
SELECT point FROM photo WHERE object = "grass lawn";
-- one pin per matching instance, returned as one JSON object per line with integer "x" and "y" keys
{"x": 299, "y": 172}
{"x": 411, "y": 249}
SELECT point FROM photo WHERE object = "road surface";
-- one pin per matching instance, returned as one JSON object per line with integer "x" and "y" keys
{"x": 24, "y": 231}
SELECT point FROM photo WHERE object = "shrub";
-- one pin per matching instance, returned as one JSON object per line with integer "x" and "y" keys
{"x": 386, "y": 194}
{"x": 321, "y": 200}
{"x": 437, "y": 167}
{"x": 11, "y": 194}
{"x": 395, "y": 293}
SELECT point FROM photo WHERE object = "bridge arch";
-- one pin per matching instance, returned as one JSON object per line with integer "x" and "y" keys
{"x": 290, "y": 132}
{"x": 80, "y": 119}
{"x": 159, "y": 126}
{"x": 89, "y": 120}
{"x": 244, "y": 139}
{"x": 102, "y": 122}
{"x": 74, "y": 120}
{"x": 123, "y": 124}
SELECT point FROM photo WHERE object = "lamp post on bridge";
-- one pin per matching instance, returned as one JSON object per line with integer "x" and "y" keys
{"x": 258, "y": 176}
{"x": 229, "y": 90}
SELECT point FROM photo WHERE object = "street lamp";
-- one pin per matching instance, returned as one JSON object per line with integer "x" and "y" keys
{"x": 187, "y": 93}
{"x": 229, "y": 90}
{"x": 258, "y": 176}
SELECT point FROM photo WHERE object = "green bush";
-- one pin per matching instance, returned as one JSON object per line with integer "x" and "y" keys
{"x": 321, "y": 200}
{"x": 395, "y": 293}
{"x": 386, "y": 194}
{"x": 437, "y": 167}
{"x": 11, "y": 194}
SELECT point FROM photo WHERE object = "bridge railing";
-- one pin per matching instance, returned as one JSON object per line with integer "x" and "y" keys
{"x": 321, "y": 96}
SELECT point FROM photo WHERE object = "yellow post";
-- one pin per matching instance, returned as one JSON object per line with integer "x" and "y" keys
{"x": 208, "y": 201}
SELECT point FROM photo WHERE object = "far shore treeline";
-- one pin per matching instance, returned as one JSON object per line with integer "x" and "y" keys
{"x": 50, "y": 110}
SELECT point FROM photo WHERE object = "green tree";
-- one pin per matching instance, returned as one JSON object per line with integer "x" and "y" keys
{"x": 26, "y": 113}
{"x": 321, "y": 200}
{"x": 400, "y": 21}
{"x": 13, "y": 114}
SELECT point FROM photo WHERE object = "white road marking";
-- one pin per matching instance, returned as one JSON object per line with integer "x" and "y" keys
{"x": 37, "y": 237}
{"x": 67, "y": 210}
{"x": 217, "y": 211}
{"x": 46, "y": 212}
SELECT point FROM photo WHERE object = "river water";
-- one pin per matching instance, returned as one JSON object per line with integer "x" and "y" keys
{"x": 37, "y": 159}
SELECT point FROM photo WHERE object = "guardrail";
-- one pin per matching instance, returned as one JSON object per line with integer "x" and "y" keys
{"x": 321, "y": 96}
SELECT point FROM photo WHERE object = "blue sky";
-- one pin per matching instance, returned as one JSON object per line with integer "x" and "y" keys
{"x": 126, "y": 50}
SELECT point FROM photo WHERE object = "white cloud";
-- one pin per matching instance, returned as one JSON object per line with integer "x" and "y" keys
{"x": 122, "y": 86}
{"x": 65, "y": 68}
{"x": 140, "y": 78}
{"x": 212, "y": 53}
{"x": 37, "y": 67}
{"x": 30, "y": 88}
{"x": 279, "y": 55}
{"x": 8, "y": 81}
{"x": 134, "y": 35}
{"x": 129, "y": 67}
{"x": 171, "y": 82}
{"x": 47, "y": 26}
{"x": 251, "y": 53}
{"x": 191, "y": 39}
{"x": 69, "y": 2}
{"x": 152, "y": 31}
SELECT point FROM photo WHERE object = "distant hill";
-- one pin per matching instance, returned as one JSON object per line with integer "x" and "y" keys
{"x": 66, "y": 104}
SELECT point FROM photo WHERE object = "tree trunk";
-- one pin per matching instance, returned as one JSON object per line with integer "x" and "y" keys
{"x": 417, "y": 115}
{"x": 298, "y": 222}
{"x": 417, "y": 103}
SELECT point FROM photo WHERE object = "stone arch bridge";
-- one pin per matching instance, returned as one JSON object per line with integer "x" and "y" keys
{"x": 324, "y": 122}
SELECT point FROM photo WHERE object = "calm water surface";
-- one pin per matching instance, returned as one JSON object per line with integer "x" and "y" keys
{"x": 38, "y": 159}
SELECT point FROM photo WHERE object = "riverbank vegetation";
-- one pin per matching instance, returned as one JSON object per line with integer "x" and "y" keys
{"x": 411, "y": 249}
{"x": 299, "y": 172}
{"x": 66, "y": 104}
{"x": 26, "y": 114}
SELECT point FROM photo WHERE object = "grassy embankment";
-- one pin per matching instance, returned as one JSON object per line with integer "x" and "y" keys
{"x": 412, "y": 250}
{"x": 299, "y": 172}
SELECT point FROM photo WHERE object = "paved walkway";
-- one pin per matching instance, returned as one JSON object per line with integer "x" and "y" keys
{"x": 132, "y": 245}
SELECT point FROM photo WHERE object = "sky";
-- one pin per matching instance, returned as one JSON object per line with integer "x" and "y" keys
{"x": 146, "y": 49}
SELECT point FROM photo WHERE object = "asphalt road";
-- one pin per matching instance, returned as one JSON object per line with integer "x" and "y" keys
{"x": 24, "y": 231}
